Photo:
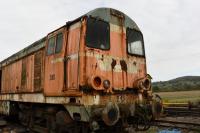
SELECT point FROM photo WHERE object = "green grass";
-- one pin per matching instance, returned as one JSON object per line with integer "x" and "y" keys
{"x": 180, "y": 96}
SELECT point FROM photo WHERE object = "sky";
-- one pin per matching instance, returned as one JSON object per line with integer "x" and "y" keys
{"x": 170, "y": 28}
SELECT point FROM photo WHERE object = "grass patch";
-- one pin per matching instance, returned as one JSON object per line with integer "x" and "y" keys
{"x": 180, "y": 96}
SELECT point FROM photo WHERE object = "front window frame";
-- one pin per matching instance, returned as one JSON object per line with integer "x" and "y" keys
{"x": 127, "y": 44}
{"x": 108, "y": 41}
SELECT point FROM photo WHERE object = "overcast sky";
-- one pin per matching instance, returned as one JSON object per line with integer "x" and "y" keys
{"x": 171, "y": 28}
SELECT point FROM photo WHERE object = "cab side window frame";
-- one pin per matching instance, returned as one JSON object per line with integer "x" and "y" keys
{"x": 51, "y": 45}
{"x": 55, "y": 44}
{"x": 59, "y": 42}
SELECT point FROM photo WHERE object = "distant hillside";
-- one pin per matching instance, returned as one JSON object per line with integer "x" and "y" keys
{"x": 185, "y": 83}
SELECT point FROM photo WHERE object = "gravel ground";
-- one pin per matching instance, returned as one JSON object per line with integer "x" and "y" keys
{"x": 9, "y": 126}
{"x": 13, "y": 127}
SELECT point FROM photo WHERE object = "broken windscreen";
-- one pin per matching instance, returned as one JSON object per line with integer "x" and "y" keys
{"x": 135, "y": 42}
{"x": 98, "y": 34}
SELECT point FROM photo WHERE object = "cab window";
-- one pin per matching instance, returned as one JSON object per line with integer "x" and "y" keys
{"x": 51, "y": 46}
{"x": 55, "y": 44}
{"x": 98, "y": 34}
{"x": 135, "y": 42}
{"x": 59, "y": 42}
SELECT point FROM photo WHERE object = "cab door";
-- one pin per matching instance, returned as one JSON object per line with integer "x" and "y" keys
{"x": 72, "y": 57}
{"x": 54, "y": 63}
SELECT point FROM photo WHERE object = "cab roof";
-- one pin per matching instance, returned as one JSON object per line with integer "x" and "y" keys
{"x": 109, "y": 15}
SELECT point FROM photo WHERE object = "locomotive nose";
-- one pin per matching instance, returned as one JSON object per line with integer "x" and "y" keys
{"x": 110, "y": 114}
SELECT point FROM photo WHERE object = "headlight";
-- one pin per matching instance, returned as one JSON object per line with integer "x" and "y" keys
{"x": 97, "y": 81}
{"x": 106, "y": 84}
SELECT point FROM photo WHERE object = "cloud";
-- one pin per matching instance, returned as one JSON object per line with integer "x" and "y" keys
{"x": 170, "y": 28}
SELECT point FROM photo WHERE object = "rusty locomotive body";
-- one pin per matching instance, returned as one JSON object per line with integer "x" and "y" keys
{"x": 91, "y": 70}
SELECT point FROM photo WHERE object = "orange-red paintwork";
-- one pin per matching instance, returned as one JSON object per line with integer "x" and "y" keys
{"x": 62, "y": 74}
{"x": 83, "y": 63}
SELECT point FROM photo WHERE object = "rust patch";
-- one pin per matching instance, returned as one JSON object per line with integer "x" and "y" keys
{"x": 38, "y": 70}
{"x": 123, "y": 65}
{"x": 23, "y": 74}
{"x": 113, "y": 63}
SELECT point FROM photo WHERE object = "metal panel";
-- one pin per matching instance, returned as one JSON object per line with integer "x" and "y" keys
{"x": 38, "y": 71}
{"x": 72, "y": 54}
{"x": 27, "y": 74}
{"x": 24, "y": 74}
{"x": 54, "y": 69}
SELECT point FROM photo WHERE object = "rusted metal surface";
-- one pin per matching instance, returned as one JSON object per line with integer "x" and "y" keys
{"x": 11, "y": 78}
{"x": 97, "y": 99}
{"x": 72, "y": 62}
{"x": 53, "y": 78}
{"x": 84, "y": 100}
{"x": 38, "y": 70}
{"x": 55, "y": 64}
{"x": 21, "y": 76}
{"x": 27, "y": 74}
{"x": 39, "y": 98}
{"x": 114, "y": 65}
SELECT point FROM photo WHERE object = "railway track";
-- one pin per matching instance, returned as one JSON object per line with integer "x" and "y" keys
{"x": 191, "y": 126}
{"x": 181, "y": 111}
{"x": 181, "y": 117}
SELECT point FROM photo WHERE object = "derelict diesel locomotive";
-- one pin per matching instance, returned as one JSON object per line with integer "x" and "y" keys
{"x": 88, "y": 75}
